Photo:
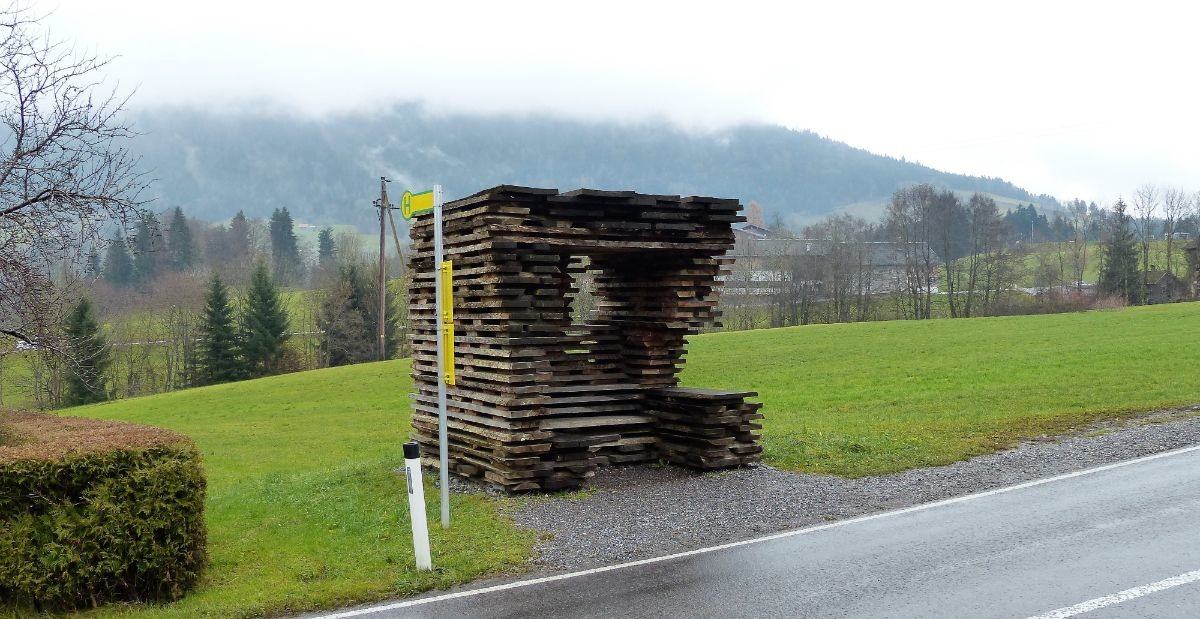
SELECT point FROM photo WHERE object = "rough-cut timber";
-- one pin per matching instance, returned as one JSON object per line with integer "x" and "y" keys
{"x": 705, "y": 429}
{"x": 540, "y": 402}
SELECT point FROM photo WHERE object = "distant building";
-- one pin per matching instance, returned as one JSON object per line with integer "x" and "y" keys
{"x": 761, "y": 259}
{"x": 1164, "y": 287}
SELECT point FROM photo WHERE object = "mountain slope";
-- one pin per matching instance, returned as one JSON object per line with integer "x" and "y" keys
{"x": 324, "y": 170}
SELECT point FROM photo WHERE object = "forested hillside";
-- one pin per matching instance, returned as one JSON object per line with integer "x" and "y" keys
{"x": 325, "y": 170}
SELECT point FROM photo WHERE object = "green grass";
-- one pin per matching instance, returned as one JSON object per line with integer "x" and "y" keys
{"x": 304, "y": 509}
{"x": 16, "y": 371}
{"x": 1052, "y": 253}
{"x": 870, "y": 398}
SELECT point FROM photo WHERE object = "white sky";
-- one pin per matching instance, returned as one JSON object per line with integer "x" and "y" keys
{"x": 1076, "y": 99}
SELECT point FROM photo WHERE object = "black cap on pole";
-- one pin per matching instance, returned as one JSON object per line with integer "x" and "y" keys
{"x": 412, "y": 450}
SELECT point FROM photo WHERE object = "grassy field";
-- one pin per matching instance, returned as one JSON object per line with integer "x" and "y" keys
{"x": 868, "y": 398}
{"x": 305, "y": 511}
{"x": 1055, "y": 254}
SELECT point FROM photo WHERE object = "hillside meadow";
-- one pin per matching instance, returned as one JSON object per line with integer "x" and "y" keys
{"x": 1058, "y": 256}
{"x": 305, "y": 509}
{"x": 871, "y": 398}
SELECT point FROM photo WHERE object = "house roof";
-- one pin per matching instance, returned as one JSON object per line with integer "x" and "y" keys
{"x": 1153, "y": 277}
{"x": 755, "y": 231}
{"x": 878, "y": 253}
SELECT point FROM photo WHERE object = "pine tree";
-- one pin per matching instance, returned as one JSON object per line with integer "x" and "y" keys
{"x": 1119, "y": 274}
{"x": 217, "y": 252}
{"x": 92, "y": 269}
{"x": 238, "y": 238}
{"x": 88, "y": 357}
{"x": 118, "y": 265}
{"x": 325, "y": 247}
{"x": 285, "y": 251}
{"x": 182, "y": 247}
{"x": 218, "y": 360}
{"x": 391, "y": 322}
{"x": 349, "y": 319}
{"x": 347, "y": 330}
{"x": 148, "y": 251}
{"x": 264, "y": 325}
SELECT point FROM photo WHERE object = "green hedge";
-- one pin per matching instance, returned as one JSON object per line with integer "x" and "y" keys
{"x": 94, "y": 511}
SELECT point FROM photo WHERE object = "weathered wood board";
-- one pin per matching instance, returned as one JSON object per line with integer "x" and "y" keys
{"x": 540, "y": 402}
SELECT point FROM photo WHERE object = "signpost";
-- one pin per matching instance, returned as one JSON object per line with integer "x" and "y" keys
{"x": 414, "y": 205}
{"x": 416, "y": 505}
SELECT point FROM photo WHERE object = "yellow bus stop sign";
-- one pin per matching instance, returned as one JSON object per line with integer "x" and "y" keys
{"x": 413, "y": 204}
{"x": 446, "y": 273}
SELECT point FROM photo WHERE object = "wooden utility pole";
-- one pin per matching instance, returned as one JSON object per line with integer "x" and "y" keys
{"x": 383, "y": 212}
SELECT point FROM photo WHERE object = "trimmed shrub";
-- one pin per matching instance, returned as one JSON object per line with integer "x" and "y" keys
{"x": 95, "y": 511}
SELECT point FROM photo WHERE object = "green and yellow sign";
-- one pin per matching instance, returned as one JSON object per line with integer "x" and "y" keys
{"x": 413, "y": 204}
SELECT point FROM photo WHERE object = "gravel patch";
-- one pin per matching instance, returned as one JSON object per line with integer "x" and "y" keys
{"x": 630, "y": 513}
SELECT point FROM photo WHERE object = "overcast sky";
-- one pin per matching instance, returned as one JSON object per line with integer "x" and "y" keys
{"x": 1083, "y": 99}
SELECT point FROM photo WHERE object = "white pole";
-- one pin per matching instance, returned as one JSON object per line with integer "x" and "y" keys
{"x": 443, "y": 444}
{"x": 416, "y": 505}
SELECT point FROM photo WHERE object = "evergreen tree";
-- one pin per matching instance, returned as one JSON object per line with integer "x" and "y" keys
{"x": 1119, "y": 273}
{"x": 182, "y": 247}
{"x": 118, "y": 265}
{"x": 349, "y": 319}
{"x": 88, "y": 357}
{"x": 392, "y": 322}
{"x": 217, "y": 252}
{"x": 91, "y": 269}
{"x": 238, "y": 238}
{"x": 264, "y": 325}
{"x": 325, "y": 247}
{"x": 218, "y": 360}
{"x": 347, "y": 334}
{"x": 285, "y": 251}
{"x": 148, "y": 251}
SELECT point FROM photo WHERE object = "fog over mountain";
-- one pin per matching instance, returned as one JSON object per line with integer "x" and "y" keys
{"x": 326, "y": 169}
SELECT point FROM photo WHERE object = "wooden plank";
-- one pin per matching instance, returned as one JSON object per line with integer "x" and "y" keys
{"x": 540, "y": 402}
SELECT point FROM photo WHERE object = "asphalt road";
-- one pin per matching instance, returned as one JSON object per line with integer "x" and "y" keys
{"x": 1118, "y": 541}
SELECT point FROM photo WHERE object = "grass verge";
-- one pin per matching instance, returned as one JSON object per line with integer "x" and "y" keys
{"x": 305, "y": 510}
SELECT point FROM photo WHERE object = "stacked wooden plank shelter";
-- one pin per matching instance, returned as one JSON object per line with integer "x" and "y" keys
{"x": 539, "y": 401}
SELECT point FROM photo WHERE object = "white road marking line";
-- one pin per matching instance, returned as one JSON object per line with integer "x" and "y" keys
{"x": 1120, "y": 596}
{"x": 785, "y": 534}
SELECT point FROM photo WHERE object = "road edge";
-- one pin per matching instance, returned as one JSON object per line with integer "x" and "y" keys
{"x": 389, "y": 606}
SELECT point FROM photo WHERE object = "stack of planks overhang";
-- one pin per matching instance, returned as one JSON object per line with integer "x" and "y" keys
{"x": 539, "y": 401}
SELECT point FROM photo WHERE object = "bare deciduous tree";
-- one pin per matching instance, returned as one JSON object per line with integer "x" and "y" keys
{"x": 1081, "y": 221}
{"x": 1176, "y": 203}
{"x": 1196, "y": 215}
{"x": 909, "y": 221}
{"x": 1145, "y": 201}
{"x": 986, "y": 232}
{"x": 64, "y": 173}
{"x": 848, "y": 269}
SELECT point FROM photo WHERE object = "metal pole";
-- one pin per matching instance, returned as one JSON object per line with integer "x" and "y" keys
{"x": 382, "y": 331}
{"x": 443, "y": 445}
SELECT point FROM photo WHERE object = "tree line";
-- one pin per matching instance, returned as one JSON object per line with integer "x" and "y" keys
{"x": 934, "y": 253}
{"x": 183, "y": 246}
{"x": 191, "y": 303}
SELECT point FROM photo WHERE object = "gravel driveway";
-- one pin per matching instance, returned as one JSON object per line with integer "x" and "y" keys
{"x": 631, "y": 513}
